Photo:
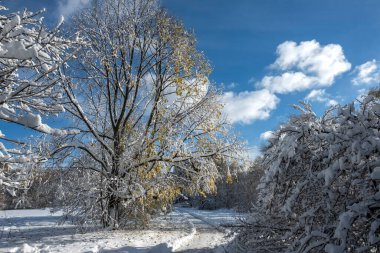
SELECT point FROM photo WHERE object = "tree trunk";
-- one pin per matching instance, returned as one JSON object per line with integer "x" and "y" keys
{"x": 113, "y": 212}
{"x": 112, "y": 218}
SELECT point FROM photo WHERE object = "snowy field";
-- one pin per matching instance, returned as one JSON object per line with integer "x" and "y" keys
{"x": 183, "y": 230}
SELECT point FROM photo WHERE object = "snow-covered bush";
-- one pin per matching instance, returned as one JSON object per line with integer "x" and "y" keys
{"x": 30, "y": 58}
{"x": 321, "y": 188}
{"x": 236, "y": 188}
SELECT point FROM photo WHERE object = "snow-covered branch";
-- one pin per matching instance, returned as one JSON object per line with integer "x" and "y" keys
{"x": 30, "y": 57}
{"x": 321, "y": 183}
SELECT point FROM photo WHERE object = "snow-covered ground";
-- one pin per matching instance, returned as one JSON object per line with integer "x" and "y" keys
{"x": 183, "y": 230}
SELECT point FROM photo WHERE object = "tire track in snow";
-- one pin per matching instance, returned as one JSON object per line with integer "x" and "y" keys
{"x": 214, "y": 240}
{"x": 183, "y": 240}
{"x": 174, "y": 244}
{"x": 203, "y": 219}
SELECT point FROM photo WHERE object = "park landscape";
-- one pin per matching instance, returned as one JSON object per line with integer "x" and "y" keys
{"x": 119, "y": 134}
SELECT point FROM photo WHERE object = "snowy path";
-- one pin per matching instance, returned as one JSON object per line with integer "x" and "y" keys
{"x": 183, "y": 230}
{"x": 208, "y": 237}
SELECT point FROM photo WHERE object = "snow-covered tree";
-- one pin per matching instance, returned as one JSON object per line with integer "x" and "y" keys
{"x": 150, "y": 120}
{"x": 321, "y": 189}
{"x": 236, "y": 188}
{"x": 30, "y": 56}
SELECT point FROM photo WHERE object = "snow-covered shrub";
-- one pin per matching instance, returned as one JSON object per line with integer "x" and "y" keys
{"x": 236, "y": 188}
{"x": 30, "y": 59}
{"x": 321, "y": 188}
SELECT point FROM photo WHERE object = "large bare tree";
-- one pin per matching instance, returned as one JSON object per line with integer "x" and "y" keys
{"x": 150, "y": 120}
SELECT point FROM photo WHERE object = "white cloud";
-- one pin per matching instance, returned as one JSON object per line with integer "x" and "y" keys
{"x": 321, "y": 96}
{"x": 248, "y": 106}
{"x": 367, "y": 73}
{"x": 266, "y": 135}
{"x": 231, "y": 86}
{"x": 305, "y": 65}
{"x": 332, "y": 102}
{"x": 288, "y": 82}
{"x": 69, "y": 7}
{"x": 253, "y": 152}
{"x": 316, "y": 95}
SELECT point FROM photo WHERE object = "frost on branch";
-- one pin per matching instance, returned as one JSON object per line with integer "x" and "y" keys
{"x": 30, "y": 57}
{"x": 321, "y": 189}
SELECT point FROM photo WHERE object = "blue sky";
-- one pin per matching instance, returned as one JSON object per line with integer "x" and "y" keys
{"x": 271, "y": 54}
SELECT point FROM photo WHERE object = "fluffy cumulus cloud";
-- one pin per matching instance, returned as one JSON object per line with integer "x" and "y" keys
{"x": 304, "y": 66}
{"x": 248, "y": 106}
{"x": 288, "y": 82}
{"x": 367, "y": 73}
{"x": 321, "y": 96}
{"x": 266, "y": 135}
{"x": 68, "y": 7}
{"x": 316, "y": 95}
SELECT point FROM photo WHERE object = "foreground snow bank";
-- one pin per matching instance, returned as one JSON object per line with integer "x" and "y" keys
{"x": 183, "y": 230}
